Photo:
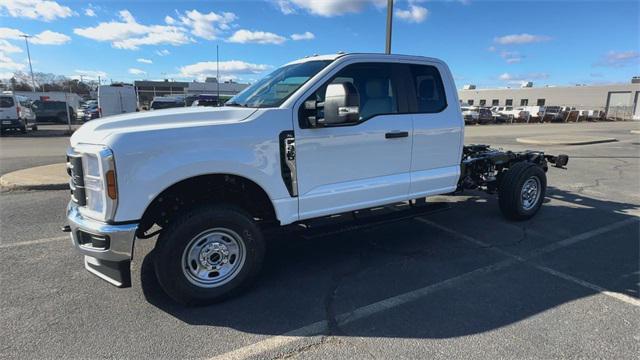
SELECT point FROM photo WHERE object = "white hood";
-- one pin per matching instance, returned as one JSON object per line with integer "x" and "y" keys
{"x": 97, "y": 131}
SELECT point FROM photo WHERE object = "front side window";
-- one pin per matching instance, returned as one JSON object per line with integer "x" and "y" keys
{"x": 373, "y": 81}
{"x": 429, "y": 89}
{"x": 275, "y": 88}
{"x": 6, "y": 102}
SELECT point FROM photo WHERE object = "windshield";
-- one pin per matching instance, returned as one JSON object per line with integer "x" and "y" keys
{"x": 275, "y": 88}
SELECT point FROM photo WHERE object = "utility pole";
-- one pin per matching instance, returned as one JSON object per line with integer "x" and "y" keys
{"x": 218, "y": 75}
{"x": 387, "y": 49}
{"x": 33, "y": 80}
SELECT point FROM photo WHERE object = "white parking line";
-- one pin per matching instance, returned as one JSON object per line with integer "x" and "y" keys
{"x": 322, "y": 327}
{"x": 273, "y": 343}
{"x": 34, "y": 242}
{"x": 553, "y": 247}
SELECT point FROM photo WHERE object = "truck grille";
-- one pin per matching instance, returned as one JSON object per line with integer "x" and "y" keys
{"x": 76, "y": 181}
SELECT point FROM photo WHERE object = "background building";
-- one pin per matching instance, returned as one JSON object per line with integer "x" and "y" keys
{"x": 617, "y": 100}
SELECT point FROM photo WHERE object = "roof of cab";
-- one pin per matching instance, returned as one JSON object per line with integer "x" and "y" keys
{"x": 332, "y": 57}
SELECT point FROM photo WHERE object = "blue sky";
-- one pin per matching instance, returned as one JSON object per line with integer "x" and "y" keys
{"x": 487, "y": 43}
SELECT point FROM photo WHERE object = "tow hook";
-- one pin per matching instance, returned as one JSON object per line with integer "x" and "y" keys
{"x": 65, "y": 228}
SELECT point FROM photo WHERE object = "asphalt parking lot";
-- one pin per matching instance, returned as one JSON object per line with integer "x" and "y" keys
{"x": 462, "y": 282}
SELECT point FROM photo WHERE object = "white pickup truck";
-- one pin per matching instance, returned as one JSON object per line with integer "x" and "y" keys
{"x": 319, "y": 136}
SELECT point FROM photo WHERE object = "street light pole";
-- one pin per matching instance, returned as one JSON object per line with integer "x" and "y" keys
{"x": 33, "y": 80}
{"x": 217, "y": 76}
{"x": 389, "y": 26}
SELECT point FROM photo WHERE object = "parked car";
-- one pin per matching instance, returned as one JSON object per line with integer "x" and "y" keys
{"x": 205, "y": 100}
{"x": 535, "y": 112}
{"x": 213, "y": 180}
{"x": 55, "y": 111}
{"x": 517, "y": 114}
{"x": 87, "y": 104}
{"x": 163, "y": 102}
{"x": 554, "y": 114}
{"x": 485, "y": 116}
{"x": 16, "y": 113}
{"x": 90, "y": 112}
{"x": 470, "y": 114}
{"x": 116, "y": 99}
{"x": 498, "y": 117}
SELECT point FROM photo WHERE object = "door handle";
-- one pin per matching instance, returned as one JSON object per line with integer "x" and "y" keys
{"x": 396, "y": 134}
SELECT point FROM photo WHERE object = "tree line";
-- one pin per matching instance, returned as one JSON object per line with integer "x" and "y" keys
{"x": 48, "y": 82}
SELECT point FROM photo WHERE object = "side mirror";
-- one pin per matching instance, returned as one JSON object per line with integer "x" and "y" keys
{"x": 341, "y": 104}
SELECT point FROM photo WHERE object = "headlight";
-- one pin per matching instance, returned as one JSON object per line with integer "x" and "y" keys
{"x": 98, "y": 167}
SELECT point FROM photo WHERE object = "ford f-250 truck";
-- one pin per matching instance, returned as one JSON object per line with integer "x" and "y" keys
{"x": 319, "y": 136}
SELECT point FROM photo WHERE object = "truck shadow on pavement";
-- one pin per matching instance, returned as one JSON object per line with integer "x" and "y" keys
{"x": 309, "y": 280}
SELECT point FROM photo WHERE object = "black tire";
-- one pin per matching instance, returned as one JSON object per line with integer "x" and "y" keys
{"x": 511, "y": 201}
{"x": 174, "y": 273}
{"x": 34, "y": 127}
{"x": 23, "y": 128}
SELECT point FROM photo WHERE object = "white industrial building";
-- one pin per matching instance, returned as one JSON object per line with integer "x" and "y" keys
{"x": 616, "y": 100}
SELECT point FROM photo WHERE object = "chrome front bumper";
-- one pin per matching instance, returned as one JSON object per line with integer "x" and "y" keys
{"x": 107, "y": 249}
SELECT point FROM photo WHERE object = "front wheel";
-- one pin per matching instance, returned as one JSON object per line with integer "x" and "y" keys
{"x": 208, "y": 254}
{"x": 521, "y": 191}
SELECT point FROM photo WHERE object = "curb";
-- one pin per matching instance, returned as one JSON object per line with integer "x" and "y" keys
{"x": 10, "y": 187}
{"x": 635, "y": 131}
{"x": 570, "y": 141}
{"x": 47, "y": 177}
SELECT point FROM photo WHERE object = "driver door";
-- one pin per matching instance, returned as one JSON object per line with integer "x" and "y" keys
{"x": 366, "y": 163}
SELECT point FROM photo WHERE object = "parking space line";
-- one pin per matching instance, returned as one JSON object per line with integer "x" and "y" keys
{"x": 33, "y": 242}
{"x": 622, "y": 297}
{"x": 322, "y": 327}
{"x": 550, "y": 248}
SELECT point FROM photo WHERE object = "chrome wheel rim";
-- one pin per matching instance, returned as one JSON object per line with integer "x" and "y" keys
{"x": 213, "y": 257}
{"x": 530, "y": 193}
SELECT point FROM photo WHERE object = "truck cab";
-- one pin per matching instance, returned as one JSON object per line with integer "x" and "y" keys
{"x": 319, "y": 136}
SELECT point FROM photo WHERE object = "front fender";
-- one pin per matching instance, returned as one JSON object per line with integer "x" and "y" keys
{"x": 149, "y": 162}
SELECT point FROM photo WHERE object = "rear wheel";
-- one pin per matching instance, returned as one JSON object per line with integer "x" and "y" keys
{"x": 522, "y": 190}
{"x": 23, "y": 128}
{"x": 208, "y": 254}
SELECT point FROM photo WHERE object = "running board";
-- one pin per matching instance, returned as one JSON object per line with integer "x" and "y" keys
{"x": 359, "y": 219}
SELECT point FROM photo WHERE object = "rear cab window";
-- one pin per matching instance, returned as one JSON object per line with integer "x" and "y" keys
{"x": 429, "y": 89}
{"x": 6, "y": 102}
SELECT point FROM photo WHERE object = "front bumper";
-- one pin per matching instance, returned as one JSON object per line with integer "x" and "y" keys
{"x": 107, "y": 249}
{"x": 10, "y": 123}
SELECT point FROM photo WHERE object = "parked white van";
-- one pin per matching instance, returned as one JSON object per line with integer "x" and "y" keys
{"x": 16, "y": 113}
{"x": 117, "y": 99}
